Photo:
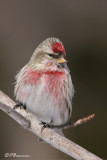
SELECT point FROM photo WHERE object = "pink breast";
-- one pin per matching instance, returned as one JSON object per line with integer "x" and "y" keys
{"x": 54, "y": 80}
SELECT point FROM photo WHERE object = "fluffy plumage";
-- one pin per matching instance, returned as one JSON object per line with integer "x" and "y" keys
{"x": 44, "y": 85}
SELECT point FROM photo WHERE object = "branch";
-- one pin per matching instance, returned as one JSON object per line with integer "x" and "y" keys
{"x": 74, "y": 124}
{"x": 29, "y": 122}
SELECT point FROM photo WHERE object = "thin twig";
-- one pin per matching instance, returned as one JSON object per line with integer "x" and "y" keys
{"x": 31, "y": 123}
{"x": 74, "y": 124}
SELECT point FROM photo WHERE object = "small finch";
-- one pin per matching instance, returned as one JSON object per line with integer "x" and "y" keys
{"x": 44, "y": 86}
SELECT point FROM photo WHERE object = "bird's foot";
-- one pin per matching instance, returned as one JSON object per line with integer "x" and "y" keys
{"x": 45, "y": 125}
{"x": 19, "y": 105}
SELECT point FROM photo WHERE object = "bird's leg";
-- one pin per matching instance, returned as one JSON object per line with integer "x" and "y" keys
{"x": 19, "y": 104}
{"x": 45, "y": 125}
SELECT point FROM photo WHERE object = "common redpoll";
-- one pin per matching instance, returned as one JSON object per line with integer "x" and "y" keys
{"x": 44, "y": 86}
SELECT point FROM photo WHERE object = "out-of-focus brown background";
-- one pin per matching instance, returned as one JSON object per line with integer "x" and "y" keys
{"x": 82, "y": 26}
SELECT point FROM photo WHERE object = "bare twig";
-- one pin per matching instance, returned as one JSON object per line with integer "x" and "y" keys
{"x": 83, "y": 120}
{"x": 74, "y": 124}
{"x": 29, "y": 122}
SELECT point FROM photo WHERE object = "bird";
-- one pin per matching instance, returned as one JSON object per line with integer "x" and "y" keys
{"x": 44, "y": 86}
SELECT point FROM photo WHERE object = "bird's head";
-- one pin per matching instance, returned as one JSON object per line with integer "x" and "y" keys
{"x": 49, "y": 55}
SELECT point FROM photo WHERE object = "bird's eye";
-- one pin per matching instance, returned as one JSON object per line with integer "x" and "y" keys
{"x": 54, "y": 56}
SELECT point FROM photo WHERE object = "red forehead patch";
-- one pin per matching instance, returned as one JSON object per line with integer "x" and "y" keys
{"x": 58, "y": 47}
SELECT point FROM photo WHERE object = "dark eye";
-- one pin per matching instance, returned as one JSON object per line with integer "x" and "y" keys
{"x": 54, "y": 56}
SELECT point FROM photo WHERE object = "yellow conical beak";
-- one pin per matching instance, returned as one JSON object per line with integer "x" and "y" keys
{"x": 61, "y": 60}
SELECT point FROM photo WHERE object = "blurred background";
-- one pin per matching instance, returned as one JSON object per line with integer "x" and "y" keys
{"x": 82, "y": 27}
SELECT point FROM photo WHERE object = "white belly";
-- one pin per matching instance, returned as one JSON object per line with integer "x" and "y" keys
{"x": 48, "y": 107}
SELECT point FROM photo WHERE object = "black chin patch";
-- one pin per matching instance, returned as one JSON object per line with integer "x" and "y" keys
{"x": 63, "y": 65}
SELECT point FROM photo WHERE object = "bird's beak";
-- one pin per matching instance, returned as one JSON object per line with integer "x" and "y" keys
{"x": 62, "y": 60}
